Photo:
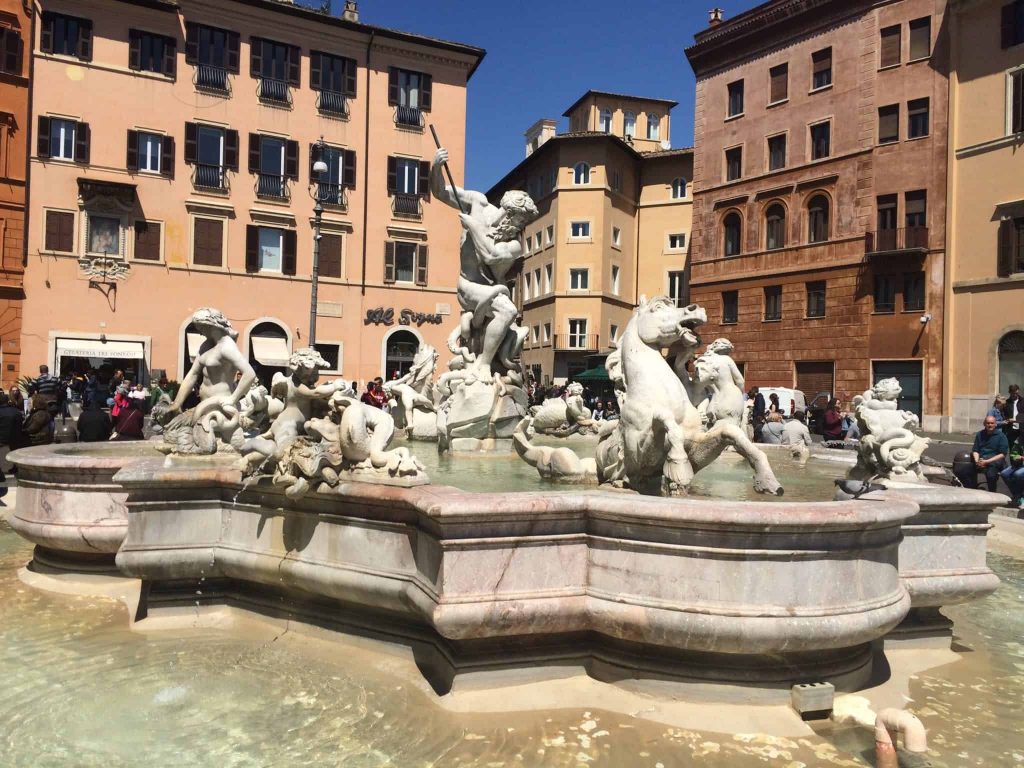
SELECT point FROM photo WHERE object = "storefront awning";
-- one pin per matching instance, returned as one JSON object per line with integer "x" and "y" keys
{"x": 195, "y": 341}
{"x": 96, "y": 349}
{"x": 270, "y": 350}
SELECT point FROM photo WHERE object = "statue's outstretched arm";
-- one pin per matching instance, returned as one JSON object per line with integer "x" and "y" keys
{"x": 448, "y": 195}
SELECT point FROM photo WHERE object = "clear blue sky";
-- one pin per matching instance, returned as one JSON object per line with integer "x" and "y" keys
{"x": 543, "y": 55}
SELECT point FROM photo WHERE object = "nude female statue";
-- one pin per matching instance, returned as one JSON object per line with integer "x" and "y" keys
{"x": 717, "y": 372}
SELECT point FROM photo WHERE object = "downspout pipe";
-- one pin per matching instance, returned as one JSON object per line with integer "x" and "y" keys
{"x": 366, "y": 166}
{"x": 889, "y": 724}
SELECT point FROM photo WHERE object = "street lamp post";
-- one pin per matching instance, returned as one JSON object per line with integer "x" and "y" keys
{"x": 319, "y": 169}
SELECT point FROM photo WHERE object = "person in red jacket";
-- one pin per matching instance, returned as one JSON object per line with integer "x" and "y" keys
{"x": 832, "y": 421}
{"x": 129, "y": 421}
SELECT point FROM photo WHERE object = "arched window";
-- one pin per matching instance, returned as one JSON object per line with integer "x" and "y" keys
{"x": 653, "y": 126}
{"x": 678, "y": 188}
{"x": 775, "y": 227}
{"x": 399, "y": 352}
{"x": 606, "y": 120}
{"x": 581, "y": 174}
{"x": 817, "y": 219}
{"x": 1011, "y": 360}
{"x": 268, "y": 350}
{"x": 733, "y": 228}
{"x": 628, "y": 125}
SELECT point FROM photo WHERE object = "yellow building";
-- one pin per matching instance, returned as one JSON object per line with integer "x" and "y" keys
{"x": 985, "y": 288}
{"x": 614, "y": 224}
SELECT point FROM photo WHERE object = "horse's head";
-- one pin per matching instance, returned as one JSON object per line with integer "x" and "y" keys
{"x": 660, "y": 323}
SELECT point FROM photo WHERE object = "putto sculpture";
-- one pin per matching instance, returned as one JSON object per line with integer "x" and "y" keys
{"x": 720, "y": 385}
{"x": 488, "y": 399}
{"x": 562, "y": 418}
{"x": 888, "y": 449}
{"x": 215, "y": 423}
{"x": 659, "y": 442}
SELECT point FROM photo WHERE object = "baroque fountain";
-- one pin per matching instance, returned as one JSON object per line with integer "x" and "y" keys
{"x": 605, "y": 554}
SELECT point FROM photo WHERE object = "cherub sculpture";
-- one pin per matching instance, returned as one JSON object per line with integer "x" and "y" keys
{"x": 719, "y": 377}
{"x": 414, "y": 391}
{"x": 888, "y": 447}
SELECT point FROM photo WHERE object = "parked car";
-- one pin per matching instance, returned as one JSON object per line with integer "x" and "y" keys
{"x": 786, "y": 398}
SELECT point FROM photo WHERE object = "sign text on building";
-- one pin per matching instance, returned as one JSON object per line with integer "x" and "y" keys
{"x": 386, "y": 316}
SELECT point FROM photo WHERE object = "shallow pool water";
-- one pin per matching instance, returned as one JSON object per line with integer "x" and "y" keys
{"x": 81, "y": 689}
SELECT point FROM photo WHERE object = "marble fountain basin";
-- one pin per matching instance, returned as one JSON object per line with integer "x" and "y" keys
{"x": 621, "y": 585}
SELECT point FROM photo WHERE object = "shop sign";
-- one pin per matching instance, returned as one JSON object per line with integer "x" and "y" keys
{"x": 386, "y": 316}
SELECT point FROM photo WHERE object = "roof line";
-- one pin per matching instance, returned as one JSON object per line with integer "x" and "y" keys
{"x": 593, "y": 92}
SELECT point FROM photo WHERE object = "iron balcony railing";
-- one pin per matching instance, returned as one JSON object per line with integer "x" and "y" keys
{"x": 588, "y": 342}
{"x": 409, "y": 117}
{"x": 210, "y": 177}
{"x": 272, "y": 185}
{"x": 896, "y": 240}
{"x": 331, "y": 194}
{"x": 407, "y": 205}
{"x": 274, "y": 91}
{"x": 211, "y": 78}
{"x": 332, "y": 103}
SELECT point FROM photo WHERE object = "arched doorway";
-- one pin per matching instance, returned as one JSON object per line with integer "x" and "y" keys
{"x": 268, "y": 350}
{"x": 1011, "y": 360}
{"x": 399, "y": 351}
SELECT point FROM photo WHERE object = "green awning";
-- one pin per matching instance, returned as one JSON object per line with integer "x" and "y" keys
{"x": 592, "y": 374}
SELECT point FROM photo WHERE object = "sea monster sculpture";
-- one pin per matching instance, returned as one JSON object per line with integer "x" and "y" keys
{"x": 888, "y": 447}
{"x": 658, "y": 443}
{"x": 562, "y": 418}
{"x": 414, "y": 393}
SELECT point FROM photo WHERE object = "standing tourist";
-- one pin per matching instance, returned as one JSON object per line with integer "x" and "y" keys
{"x": 11, "y": 435}
{"x": 1013, "y": 409}
{"x": 757, "y": 416}
{"x": 832, "y": 421}
{"x": 47, "y": 386}
{"x": 39, "y": 426}
{"x": 773, "y": 403}
{"x": 94, "y": 425}
{"x": 988, "y": 455}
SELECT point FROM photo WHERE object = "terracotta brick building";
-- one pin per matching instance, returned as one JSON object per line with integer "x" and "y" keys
{"x": 820, "y": 174}
{"x": 15, "y": 33}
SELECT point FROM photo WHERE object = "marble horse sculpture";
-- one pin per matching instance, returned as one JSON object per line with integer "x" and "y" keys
{"x": 659, "y": 442}
{"x": 888, "y": 449}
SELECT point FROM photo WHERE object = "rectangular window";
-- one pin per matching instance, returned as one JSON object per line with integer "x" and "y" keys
{"x": 816, "y": 298}
{"x": 821, "y": 141}
{"x": 778, "y": 83}
{"x": 66, "y": 36}
{"x": 549, "y": 233}
{"x": 1010, "y": 259}
{"x": 148, "y": 52}
{"x": 886, "y": 212}
{"x": 332, "y": 74}
{"x": 773, "y": 302}
{"x": 147, "y": 240}
{"x": 411, "y": 95}
{"x": 329, "y": 263}
{"x": 615, "y": 279}
{"x": 613, "y": 332}
{"x": 11, "y": 51}
{"x": 616, "y": 237}
{"x": 536, "y": 281}
{"x": 889, "y": 124}
{"x": 885, "y": 293}
{"x": 60, "y": 231}
{"x": 271, "y": 251}
{"x": 736, "y": 98}
{"x": 547, "y": 332}
{"x": 529, "y": 243}
{"x": 549, "y": 274}
{"x": 331, "y": 352}
{"x": 917, "y": 118}
{"x": 405, "y": 263}
{"x": 890, "y": 43}
{"x": 577, "y": 333}
{"x": 821, "y": 68}
{"x": 408, "y": 176}
{"x": 214, "y": 52}
{"x": 913, "y": 292}
{"x": 733, "y": 163}
{"x": 1013, "y": 24}
{"x": 777, "y": 152}
{"x": 208, "y": 242}
{"x": 920, "y": 38}
{"x": 915, "y": 208}
{"x": 212, "y": 150}
{"x": 579, "y": 229}
{"x": 535, "y": 334}
{"x": 276, "y": 66}
{"x": 579, "y": 279}
{"x": 150, "y": 149}
{"x": 339, "y": 176}
{"x": 527, "y": 286}
{"x": 730, "y": 307}
{"x": 677, "y": 287}
{"x": 677, "y": 242}
{"x": 62, "y": 139}
{"x": 1015, "y": 122}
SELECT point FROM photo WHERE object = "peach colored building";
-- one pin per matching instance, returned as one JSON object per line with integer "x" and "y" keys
{"x": 820, "y": 168}
{"x": 614, "y": 224}
{"x": 15, "y": 31}
{"x": 985, "y": 289}
{"x": 172, "y": 155}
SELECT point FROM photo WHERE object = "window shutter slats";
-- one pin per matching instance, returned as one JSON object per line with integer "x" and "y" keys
{"x": 191, "y": 143}
{"x": 1007, "y": 25}
{"x": 389, "y": 262}
{"x": 50, "y": 239}
{"x": 1004, "y": 265}
{"x": 231, "y": 150}
{"x": 288, "y": 258}
{"x": 66, "y": 232}
{"x": 233, "y": 52}
{"x": 392, "y": 175}
{"x": 43, "y": 138}
{"x": 191, "y": 43}
{"x": 134, "y": 50}
{"x": 423, "y": 182}
{"x": 85, "y": 40}
{"x": 294, "y": 65}
{"x": 779, "y": 83}
{"x": 890, "y": 48}
{"x": 348, "y": 171}
{"x": 329, "y": 264}
{"x": 350, "y": 77}
{"x": 167, "y": 157}
{"x": 12, "y": 52}
{"x": 170, "y": 57}
{"x": 132, "y": 161}
{"x": 255, "y": 57}
{"x": 46, "y": 33}
{"x": 421, "y": 266}
{"x": 392, "y": 86}
{"x": 291, "y": 160}
{"x": 81, "y": 142}
{"x": 822, "y": 60}
{"x": 252, "y": 248}
{"x": 426, "y": 92}
{"x": 254, "y": 153}
{"x": 315, "y": 71}
{"x": 1017, "y": 116}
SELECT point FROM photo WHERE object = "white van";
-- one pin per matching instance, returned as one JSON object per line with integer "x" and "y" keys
{"x": 786, "y": 397}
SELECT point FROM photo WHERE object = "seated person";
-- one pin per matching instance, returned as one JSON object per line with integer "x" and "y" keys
{"x": 771, "y": 432}
{"x": 988, "y": 455}
{"x": 598, "y": 412}
{"x": 94, "y": 424}
{"x": 795, "y": 432}
{"x": 1013, "y": 475}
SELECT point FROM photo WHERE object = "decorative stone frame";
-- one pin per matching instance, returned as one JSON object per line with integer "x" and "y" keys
{"x": 805, "y": 208}
{"x": 993, "y": 354}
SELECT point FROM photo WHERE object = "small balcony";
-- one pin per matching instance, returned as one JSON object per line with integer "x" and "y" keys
{"x": 210, "y": 178}
{"x": 274, "y": 92}
{"x": 577, "y": 342}
{"x": 409, "y": 117}
{"x": 409, "y": 206}
{"x": 332, "y": 104}
{"x": 893, "y": 241}
{"x": 212, "y": 79}
{"x": 331, "y": 195}
{"x": 272, "y": 186}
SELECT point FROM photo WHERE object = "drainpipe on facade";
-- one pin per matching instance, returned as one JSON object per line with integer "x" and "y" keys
{"x": 948, "y": 318}
{"x": 366, "y": 166}
{"x": 639, "y": 218}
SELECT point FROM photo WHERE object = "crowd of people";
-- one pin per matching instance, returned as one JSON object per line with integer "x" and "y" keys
{"x": 998, "y": 448}
{"x": 602, "y": 405}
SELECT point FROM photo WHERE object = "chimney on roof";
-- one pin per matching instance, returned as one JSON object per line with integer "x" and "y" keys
{"x": 716, "y": 16}
{"x": 351, "y": 12}
{"x": 538, "y": 133}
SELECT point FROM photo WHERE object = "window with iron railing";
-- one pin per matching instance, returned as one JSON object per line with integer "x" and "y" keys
{"x": 332, "y": 103}
{"x": 411, "y": 94}
{"x": 212, "y": 151}
{"x": 214, "y": 53}
{"x": 205, "y": 176}
{"x": 408, "y": 116}
{"x": 209, "y": 77}
{"x": 276, "y": 66}
{"x": 407, "y": 205}
{"x": 334, "y": 79}
{"x": 272, "y": 185}
{"x": 275, "y": 91}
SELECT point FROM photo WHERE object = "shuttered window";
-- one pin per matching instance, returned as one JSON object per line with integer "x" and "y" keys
{"x": 1013, "y": 24}
{"x": 66, "y": 36}
{"x": 208, "y": 242}
{"x": 60, "y": 231}
{"x": 889, "y": 124}
{"x": 11, "y": 49}
{"x": 147, "y": 240}
{"x": 1017, "y": 101}
{"x": 920, "y": 38}
{"x": 891, "y": 42}
{"x": 1011, "y": 247}
{"x": 779, "y": 83}
{"x": 405, "y": 263}
{"x": 815, "y": 377}
{"x": 330, "y": 255}
{"x": 336, "y": 74}
{"x": 148, "y": 52}
{"x": 821, "y": 66}
{"x": 271, "y": 60}
{"x": 915, "y": 208}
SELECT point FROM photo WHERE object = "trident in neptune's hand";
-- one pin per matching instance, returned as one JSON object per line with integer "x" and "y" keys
{"x": 447, "y": 170}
